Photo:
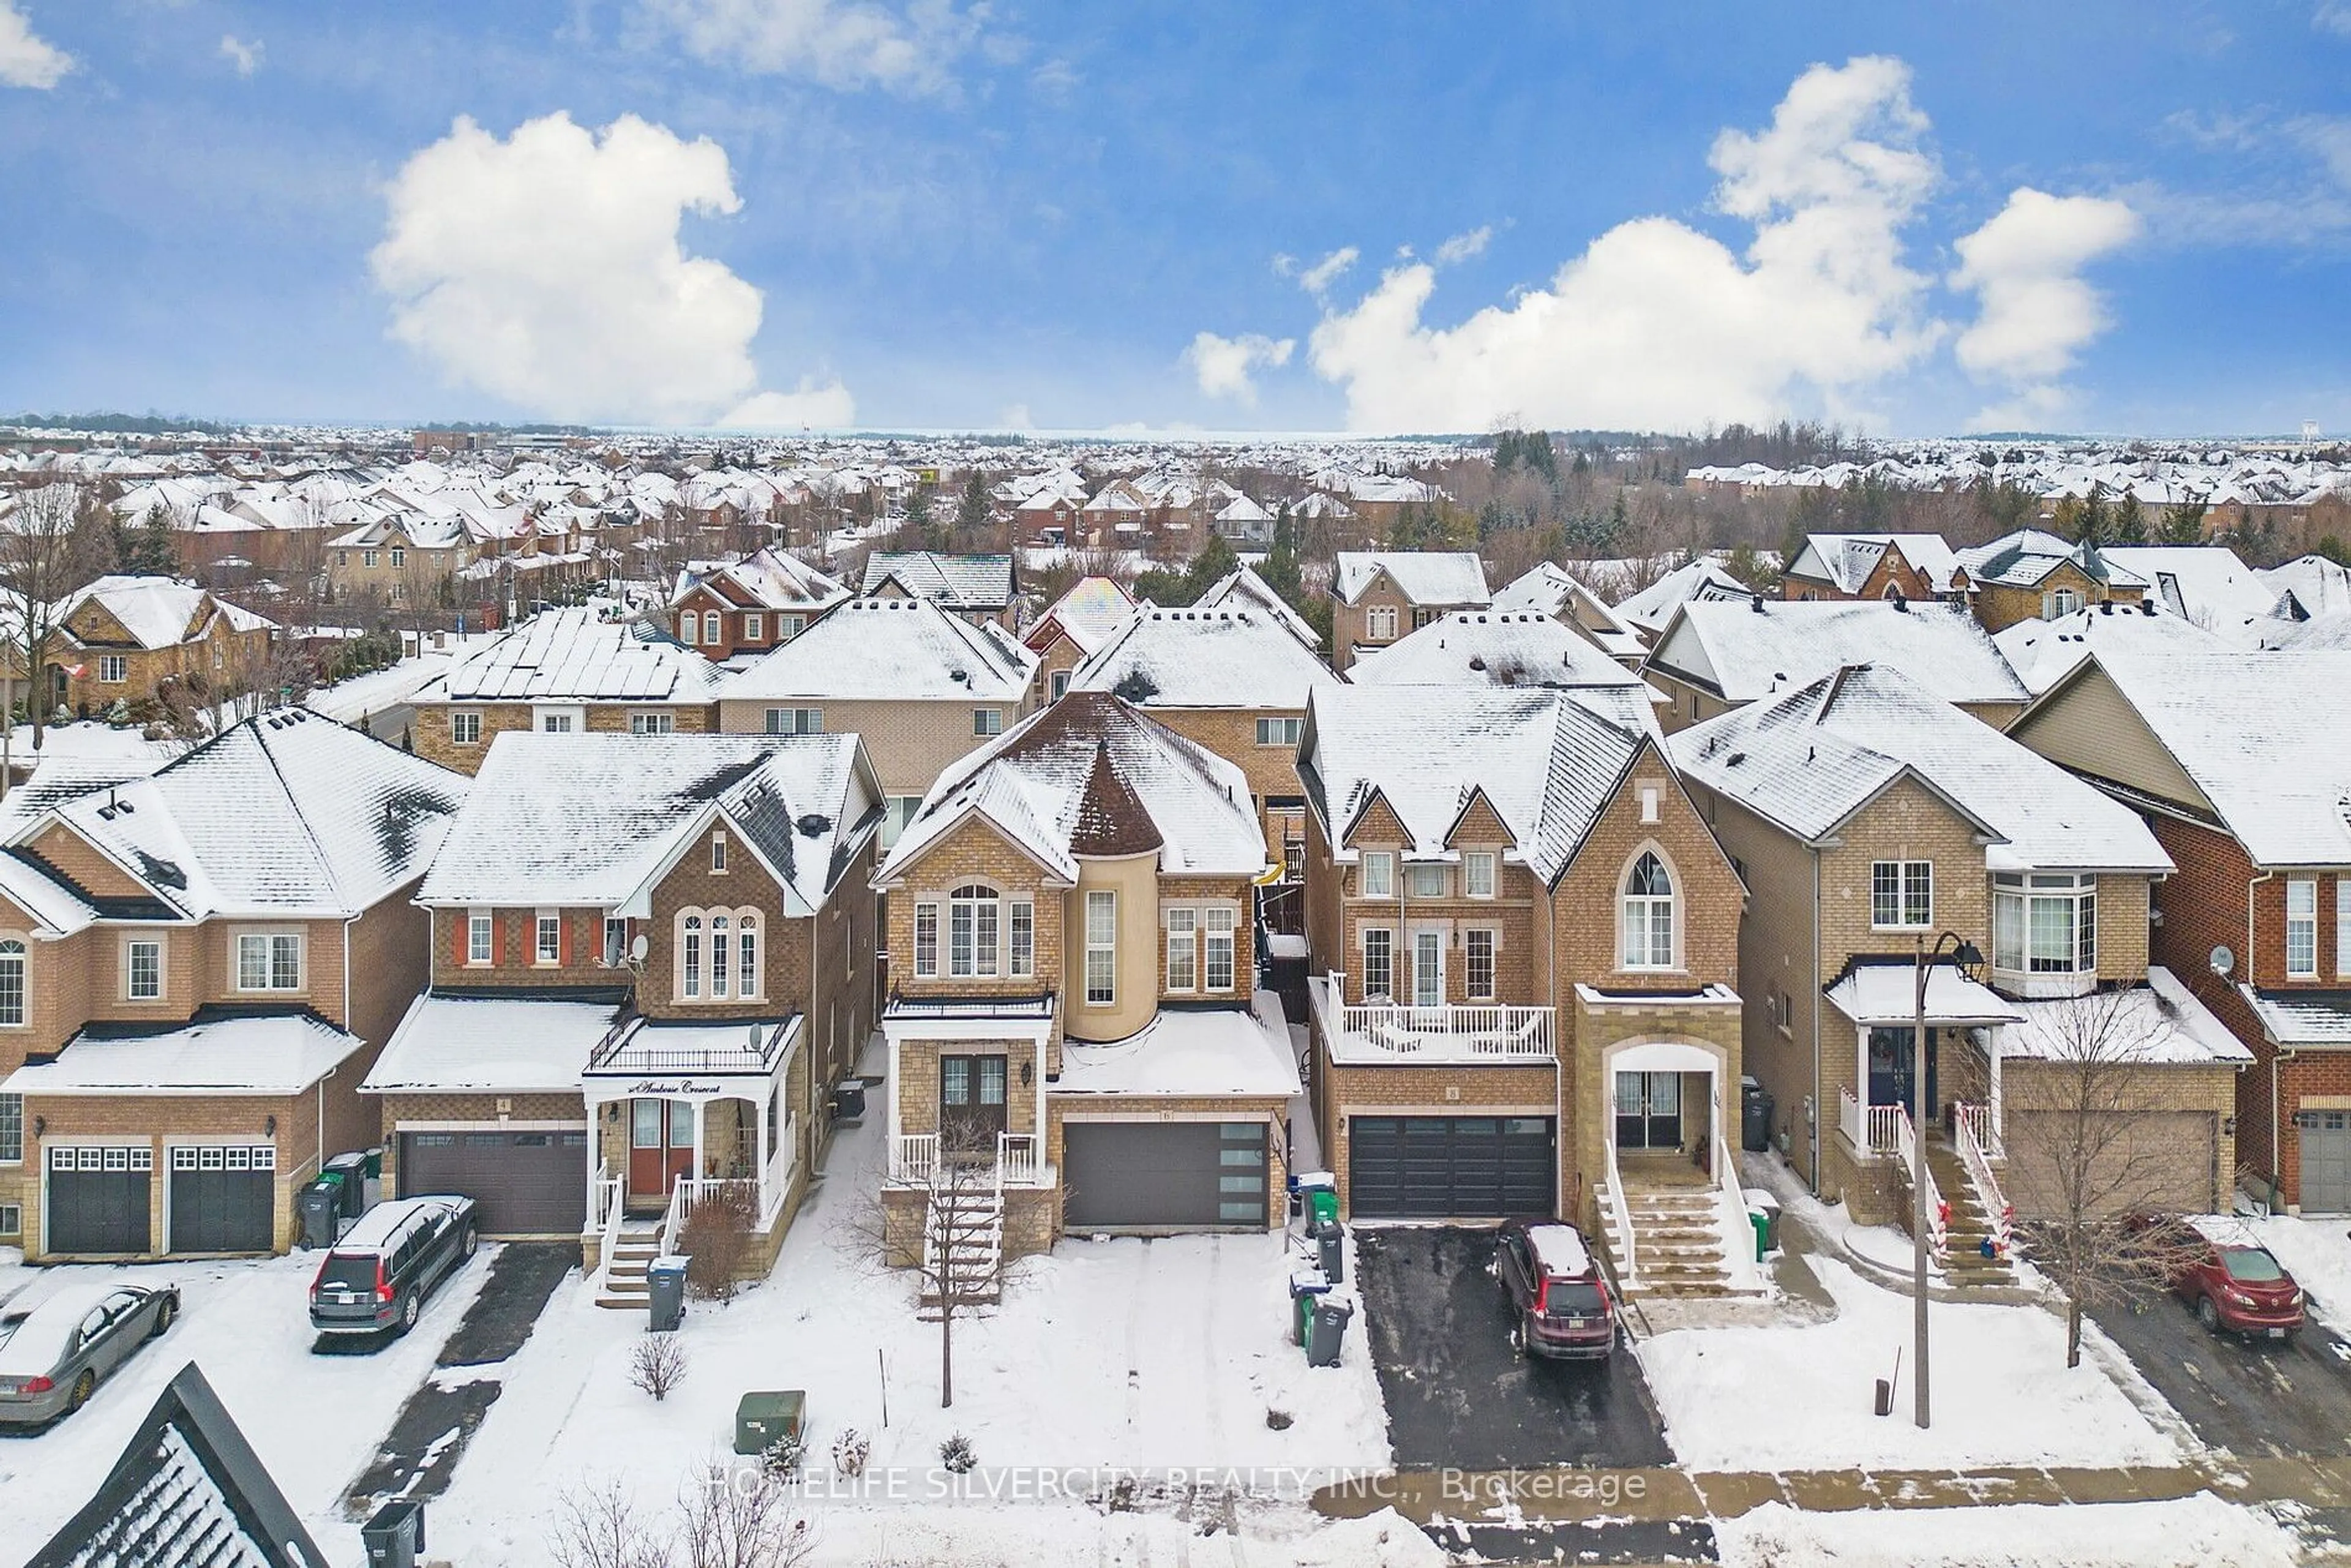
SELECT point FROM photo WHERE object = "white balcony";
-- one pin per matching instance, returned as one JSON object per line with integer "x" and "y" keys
{"x": 1018, "y": 1160}
{"x": 1376, "y": 1033}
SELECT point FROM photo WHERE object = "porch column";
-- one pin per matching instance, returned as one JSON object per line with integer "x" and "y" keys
{"x": 1041, "y": 1101}
{"x": 595, "y": 1157}
{"x": 759, "y": 1119}
{"x": 701, "y": 1121}
{"x": 890, "y": 1089}
{"x": 1861, "y": 1075}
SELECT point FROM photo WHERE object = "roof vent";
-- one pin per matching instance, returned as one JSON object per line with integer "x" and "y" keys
{"x": 2147, "y": 607}
{"x": 1734, "y": 759}
{"x": 2106, "y": 607}
{"x": 813, "y": 825}
{"x": 1901, "y": 605}
{"x": 1477, "y": 661}
{"x": 1755, "y": 604}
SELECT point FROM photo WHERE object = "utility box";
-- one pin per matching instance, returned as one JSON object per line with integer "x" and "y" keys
{"x": 394, "y": 1535}
{"x": 764, "y": 1420}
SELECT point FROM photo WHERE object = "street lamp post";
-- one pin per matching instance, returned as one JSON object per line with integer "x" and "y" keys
{"x": 1964, "y": 954}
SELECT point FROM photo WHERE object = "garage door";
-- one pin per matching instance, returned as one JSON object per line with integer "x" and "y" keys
{"x": 220, "y": 1198}
{"x": 1450, "y": 1167}
{"x": 522, "y": 1184}
{"x": 2325, "y": 1166}
{"x": 98, "y": 1199}
{"x": 2157, "y": 1159}
{"x": 1148, "y": 1175}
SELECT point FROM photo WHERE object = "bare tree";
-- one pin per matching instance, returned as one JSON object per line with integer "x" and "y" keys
{"x": 741, "y": 1519}
{"x": 2087, "y": 1163}
{"x": 657, "y": 1364}
{"x": 717, "y": 1238}
{"x": 596, "y": 1526}
{"x": 42, "y": 561}
{"x": 957, "y": 1255}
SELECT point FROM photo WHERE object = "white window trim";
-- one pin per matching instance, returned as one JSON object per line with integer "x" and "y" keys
{"x": 301, "y": 962}
{"x": 1493, "y": 963}
{"x": 1673, "y": 902}
{"x": 162, "y": 967}
{"x": 541, "y": 958}
{"x": 754, "y": 626}
{"x": 1108, "y": 947}
{"x": 119, "y": 663}
{"x": 1902, "y": 869}
{"x": 1492, "y": 863}
{"x": 1385, "y": 861}
{"x": 467, "y": 718}
{"x": 2292, "y": 920}
{"x": 2342, "y": 925}
{"x": 929, "y": 906}
{"x": 487, "y": 922}
{"x": 1363, "y": 935}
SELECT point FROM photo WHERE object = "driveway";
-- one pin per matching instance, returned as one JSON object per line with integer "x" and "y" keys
{"x": 2252, "y": 1400}
{"x": 1458, "y": 1395}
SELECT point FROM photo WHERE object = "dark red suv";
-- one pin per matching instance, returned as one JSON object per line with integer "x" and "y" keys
{"x": 1559, "y": 1298}
{"x": 2235, "y": 1283}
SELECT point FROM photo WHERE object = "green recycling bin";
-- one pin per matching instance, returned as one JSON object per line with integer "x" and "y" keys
{"x": 1325, "y": 1206}
{"x": 1305, "y": 1285}
{"x": 1762, "y": 1223}
{"x": 763, "y": 1419}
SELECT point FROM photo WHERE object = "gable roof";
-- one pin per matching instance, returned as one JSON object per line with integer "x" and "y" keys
{"x": 1090, "y": 614}
{"x": 2044, "y": 652}
{"x": 591, "y": 819}
{"x": 1424, "y": 577}
{"x": 1224, "y": 658}
{"x": 910, "y": 650}
{"x": 2204, "y": 584}
{"x": 1092, "y": 776}
{"x": 1754, "y": 647}
{"x": 1547, "y": 589}
{"x": 2022, "y": 559}
{"x": 158, "y": 611}
{"x": 1492, "y": 648}
{"x": 575, "y": 655}
{"x": 288, "y": 813}
{"x": 1845, "y": 560}
{"x": 2315, "y": 585}
{"x": 961, "y": 581}
{"x": 1242, "y": 587}
{"x": 1653, "y": 606}
{"x": 1809, "y": 758}
{"x": 769, "y": 580}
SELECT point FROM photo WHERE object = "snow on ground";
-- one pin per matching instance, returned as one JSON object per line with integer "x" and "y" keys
{"x": 88, "y": 739}
{"x": 313, "y": 1419}
{"x": 2189, "y": 1532}
{"x": 1145, "y": 1354}
{"x": 347, "y": 701}
{"x": 1785, "y": 1398}
{"x": 2317, "y": 1253}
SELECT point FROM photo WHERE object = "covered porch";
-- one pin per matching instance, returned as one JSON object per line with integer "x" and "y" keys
{"x": 966, "y": 1087}
{"x": 1961, "y": 1071}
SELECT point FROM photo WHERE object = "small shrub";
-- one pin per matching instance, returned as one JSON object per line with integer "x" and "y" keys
{"x": 850, "y": 1452}
{"x": 782, "y": 1458}
{"x": 1277, "y": 1420}
{"x": 717, "y": 1238}
{"x": 956, "y": 1456}
{"x": 657, "y": 1364}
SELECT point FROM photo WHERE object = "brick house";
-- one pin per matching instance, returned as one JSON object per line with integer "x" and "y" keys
{"x": 1915, "y": 566}
{"x": 1717, "y": 654}
{"x": 729, "y": 610}
{"x": 565, "y": 672}
{"x": 1493, "y": 648}
{"x": 1547, "y": 589}
{"x": 2238, "y": 764}
{"x": 1869, "y": 818}
{"x": 1072, "y": 987}
{"x": 2030, "y": 575}
{"x": 1072, "y": 629}
{"x": 920, "y": 684}
{"x": 666, "y": 991}
{"x": 401, "y": 559}
{"x": 977, "y": 588}
{"x": 122, "y": 639}
{"x": 1524, "y": 945}
{"x": 197, "y": 970}
{"x": 1381, "y": 595}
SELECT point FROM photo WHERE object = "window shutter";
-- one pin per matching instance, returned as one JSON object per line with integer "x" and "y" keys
{"x": 459, "y": 921}
{"x": 563, "y": 942}
{"x": 498, "y": 942}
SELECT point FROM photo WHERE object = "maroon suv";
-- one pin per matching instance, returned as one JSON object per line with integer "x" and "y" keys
{"x": 1559, "y": 1298}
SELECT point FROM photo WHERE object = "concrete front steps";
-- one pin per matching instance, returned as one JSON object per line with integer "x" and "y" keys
{"x": 963, "y": 1249}
{"x": 1677, "y": 1242}
{"x": 1964, "y": 1233}
{"x": 623, "y": 1288}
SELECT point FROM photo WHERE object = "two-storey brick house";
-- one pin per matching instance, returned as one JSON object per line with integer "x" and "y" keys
{"x": 728, "y": 610}
{"x": 1869, "y": 818}
{"x": 1523, "y": 942}
{"x": 196, "y": 970}
{"x": 1382, "y": 595}
{"x": 651, "y": 963}
{"x": 2238, "y": 763}
{"x": 2032, "y": 575}
{"x": 122, "y": 639}
{"x": 1915, "y": 566}
{"x": 1072, "y": 986}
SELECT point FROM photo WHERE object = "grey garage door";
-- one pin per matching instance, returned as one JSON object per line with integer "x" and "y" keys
{"x": 98, "y": 1199}
{"x": 2325, "y": 1165}
{"x": 522, "y": 1184}
{"x": 1150, "y": 1175}
{"x": 1450, "y": 1167}
{"x": 220, "y": 1198}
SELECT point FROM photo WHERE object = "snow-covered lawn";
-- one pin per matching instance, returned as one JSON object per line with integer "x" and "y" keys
{"x": 347, "y": 701}
{"x": 2317, "y": 1253}
{"x": 1782, "y": 1397}
{"x": 2191, "y": 1532}
{"x": 314, "y": 1420}
{"x": 1146, "y": 1354}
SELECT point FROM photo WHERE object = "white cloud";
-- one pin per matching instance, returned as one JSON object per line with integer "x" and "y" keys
{"x": 245, "y": 57}
{"x": 1014, "y": 416}
{"x": 1222, "y": 365}
{"x": 1658, "y": 325}
{"x": 1461, "y": 247}
{"x": 26, "y": 61}
{"x": 546, "y": 268}
{"x": 2035, "y": 310}
{"x": 1325, "y": 272}
{"x": 841, "y": 42}
{"x": 808, "y": 407}
{"x": 2333, "y": 16}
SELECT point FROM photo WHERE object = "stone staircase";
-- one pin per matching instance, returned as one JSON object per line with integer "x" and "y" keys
{"x": 623, "y": 1288}
{"x": 1677, "y": 1240}
{"x": 1964, "y": 1233}
{"x": 962, "y": 1246}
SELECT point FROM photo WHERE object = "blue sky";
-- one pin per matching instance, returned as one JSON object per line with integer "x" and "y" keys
{"x": 922, "y": 214}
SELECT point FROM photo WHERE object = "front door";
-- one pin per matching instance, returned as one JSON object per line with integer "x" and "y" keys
{"x": 1428, "y": 968}
{"x": 661, "y": 1145}
{"x": 1648, "y": 1111}
{"x": 1893, "y": 1078}
{"x": 971, "y": 1101}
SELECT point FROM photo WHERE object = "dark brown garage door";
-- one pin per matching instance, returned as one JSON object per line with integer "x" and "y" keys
{"x": 522, "y": 1184}
{"x": 1154, "y": 1175}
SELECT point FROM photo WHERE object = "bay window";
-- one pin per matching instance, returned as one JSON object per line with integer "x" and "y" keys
{"x": 2044, "y": 925}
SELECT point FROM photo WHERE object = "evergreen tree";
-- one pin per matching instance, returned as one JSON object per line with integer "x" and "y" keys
{"x": 2183, "y": 524}
{"x": 2130, "y": 527}
{"x": 153, "y": 550}
{"x": 1281, "y": 569}
{"x": 914, "y": 533}
{"x": 2092, "y": 526}
{"x": 1214, "y": 562}
{"x": 973, "y": 511}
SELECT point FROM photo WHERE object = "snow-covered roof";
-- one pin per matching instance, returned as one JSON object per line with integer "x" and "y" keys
{"x": 1491, "y": 648}
{"x": 961, "y": 581}
{"x": 771, "y": 578}
{"x": 2320, "y": 633}
{"x": 1653, "y": 606}
{"x": 285, "y": 814}
{"x": 2302, "y": 1018}
{"x": 2044, "y": 652}
{"x": 2160, "y": 1023}
{"x": 1204, "y": 1052}
{"x": 1422, "y": 577}
{"x": 2204, "y": 584}
{"x": 1242, "y": 587}
{"x": 1091, "y": 775}
{"x": 2318, "y": 586}
{"x": 908, "y": 650}
{"x": 1546, "y": 760}
{"x": 1887, "y": 993}
{"x": 2022, "y": 559}
{"x": 1808, "y": 759}
{"x": 591, "y": 818}
{"x": 158, "y": 611}
{"x": 217, "y": 1052}
{"x": 1225, "y": 658}
{"x": 577, "y": 656}
{"x": 1750, "y": 648}
{"x": 1845, "y": 560}
{"x": 501, "y": 1045}
{"x": 1547, "y": 589}
{"x": 1093, "y": 611}
{"x": 1559, "y": 1251}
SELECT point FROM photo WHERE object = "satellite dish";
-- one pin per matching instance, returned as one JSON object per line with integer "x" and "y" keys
{"x": 2222, "y": 961}
{"x": 638, "y": 948}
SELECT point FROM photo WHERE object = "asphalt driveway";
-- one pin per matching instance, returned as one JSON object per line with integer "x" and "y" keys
{"x": 1458, "y": 1395}
{"x": 2251, "y": 1399}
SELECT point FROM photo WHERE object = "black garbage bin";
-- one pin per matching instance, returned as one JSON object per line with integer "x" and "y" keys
{"x": 352, "y": 1169}
{"x": 849, "y": 1101}
{"x": 1331, "y": 1250}
{"x": 394, "y": 1535}
{"x": 1327, "y": 1332}
{"x": 1754, "y": 1115}
{"x": 318, "y": 1204}
{"x": 665, "y": 1287}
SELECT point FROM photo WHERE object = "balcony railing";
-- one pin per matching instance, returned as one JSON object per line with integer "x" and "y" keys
{"x": 1473, "y": 1033}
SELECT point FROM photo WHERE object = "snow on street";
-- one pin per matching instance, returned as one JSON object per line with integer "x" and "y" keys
{"x": 2189, "y": 1532}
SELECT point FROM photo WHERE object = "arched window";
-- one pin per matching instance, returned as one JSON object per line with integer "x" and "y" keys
{"x": 689, "y": 959}
{"x": 1648, "y": 921}
{"x": 12, "y": 982}
{"x": 713, "y": 632}
{"x": 720, "y": 936}
{"x": 746, "y": 947}
{"x": 973, "y": 928}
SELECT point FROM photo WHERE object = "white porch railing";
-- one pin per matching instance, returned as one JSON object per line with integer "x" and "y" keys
{"x": 783, "y": 1164}
{"x": 1871, "y": 1129}
{"x": 1620, "y": 1216}
{"x": 1885, "y": 1125}
{"x": 1472, "y": 1032}
{"x": 1746, "y": 1271}
{"x": 1849, "y": 1120}
{"x": 1977, "y": 1118}
{"x": 606, "y": 1201}
{"x": 1975, "y": 1158}
{"x": 913, "y": 1157}
{"x": 1019, "y": 1160}
{"x": 1905, "y": 1149}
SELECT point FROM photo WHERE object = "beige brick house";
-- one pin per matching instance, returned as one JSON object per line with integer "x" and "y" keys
{"x": 1870, "y": 819}
{"x": 196, "y": 969}
{"x": 2031, "y": 575}
{"x": 659, "y": 998}
{"x": 1523, "y": 942}
{"x": 1916, "y": 566}
{"x": 1382, "y": 595}
{"x": 1072, "y": 987}
{"x": 122, "y": 639}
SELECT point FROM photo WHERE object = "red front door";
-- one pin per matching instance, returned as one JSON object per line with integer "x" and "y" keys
{"x": 661, "y": 1146}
